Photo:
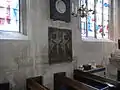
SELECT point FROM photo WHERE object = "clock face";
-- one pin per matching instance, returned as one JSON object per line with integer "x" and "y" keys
{"x": 60, "y": 6}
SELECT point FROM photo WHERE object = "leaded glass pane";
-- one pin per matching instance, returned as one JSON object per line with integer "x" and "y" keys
{"x": 9, "y": 15}
{"x": 99, "y": 27}
{"x": 105, "y": 6}
{"x": 83, "y": 2}
{"x": 83, "y": 21}
{"x": 90, "y": 19}
{"x": 105, "y": 15}
{"x": 83, "y": 27}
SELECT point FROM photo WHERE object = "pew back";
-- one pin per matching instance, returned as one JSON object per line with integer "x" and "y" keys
{"x": 90, "y": 79}
{"x": 35, "y": 84}
{"x": 61, "y": 82}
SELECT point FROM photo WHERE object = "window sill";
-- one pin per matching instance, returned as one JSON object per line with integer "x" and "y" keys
{"x": 12, "y": 36}
{"x": 91, "y": 39}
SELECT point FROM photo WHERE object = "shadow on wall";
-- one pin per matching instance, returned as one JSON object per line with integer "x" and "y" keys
{"x": 16, "y": 64}
{"x": 93, "y": 51}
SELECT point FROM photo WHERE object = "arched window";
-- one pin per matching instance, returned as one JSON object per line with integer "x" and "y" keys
{"x": 9, "y": 15}
{"x": 96, "y": 25}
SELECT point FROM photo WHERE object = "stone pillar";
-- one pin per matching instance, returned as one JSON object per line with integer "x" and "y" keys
{"x": 114, "y": 23}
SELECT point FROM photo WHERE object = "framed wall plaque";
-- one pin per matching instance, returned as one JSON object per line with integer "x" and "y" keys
{"x": 60, "y": 45}
{"x": 60, "y": 10}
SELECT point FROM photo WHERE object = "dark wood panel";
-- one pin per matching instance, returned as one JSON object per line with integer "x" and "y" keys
{"x": 4, "y": 86}
{"x": 35, "y": 83}
{"x": 118, "y": 43}
{"x": 79, "y": 73}
{"x": 95, "y": 80}
{"x": 57, "y": 84}
{"x": 61, "y": 82}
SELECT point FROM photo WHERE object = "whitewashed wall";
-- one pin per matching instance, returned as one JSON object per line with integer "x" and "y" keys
{"x": 22, "y": 59}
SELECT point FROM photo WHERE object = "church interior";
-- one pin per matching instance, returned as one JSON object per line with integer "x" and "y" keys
{"x": 59, "y": 45}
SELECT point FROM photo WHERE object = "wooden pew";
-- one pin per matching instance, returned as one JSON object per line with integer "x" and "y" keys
{"x": 4, "y": 86}
{"x": 61, "y": 82}
{"x": 94, "y": 80}
{"x": 35, "y": 84}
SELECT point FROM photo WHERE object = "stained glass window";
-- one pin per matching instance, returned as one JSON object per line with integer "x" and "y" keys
{"x": 83, "y": 27}
{"x": 9, "y": 15}
{"x": 83, "y": 20}
{"x": 90, "y": 19}
{"x": 99, "y": 18}
{"x": 106, "y": 17}
{"x": 97, "y": 25}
